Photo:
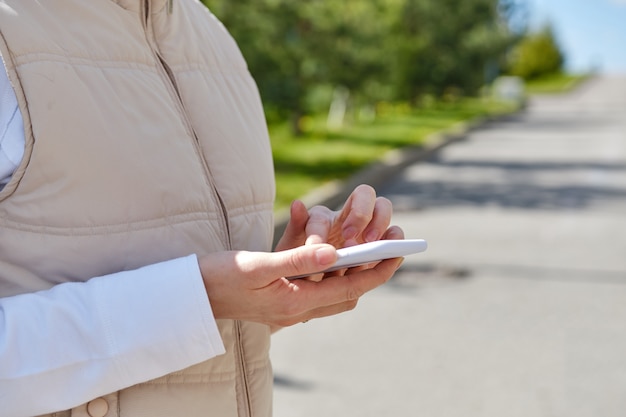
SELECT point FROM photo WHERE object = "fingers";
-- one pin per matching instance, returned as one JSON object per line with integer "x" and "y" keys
{"x": 295, "y": 233}
{"x": 319, "y": 225}
{"x": 357, "y": 213}
{"x": 321, "y": 312}
{"x": 343, "y": 228}
{"x": 364, "y": 217}
{"x": 380, "y": 220}
{"x": 338, "y": 294}
{"x": 339, "y": 289}
{"x": 393, "y": 232}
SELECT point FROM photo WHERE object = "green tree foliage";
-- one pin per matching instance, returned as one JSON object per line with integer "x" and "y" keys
{"x": 377, "y": 49}
{"x": 274, "y": 37}
{"x": 446, "y": 45}
{"x": 537, "y": 55}
{"x": 292, "y": 47}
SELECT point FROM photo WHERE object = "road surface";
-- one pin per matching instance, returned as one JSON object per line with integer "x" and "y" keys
{"x": 518, "y": 308}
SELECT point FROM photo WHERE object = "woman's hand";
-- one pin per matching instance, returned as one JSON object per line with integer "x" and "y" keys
{"x": 363, "y": 218}
{"x": 252, "y": 285}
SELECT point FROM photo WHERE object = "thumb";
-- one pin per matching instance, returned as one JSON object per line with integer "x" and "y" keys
{"x": 303, "y": 260}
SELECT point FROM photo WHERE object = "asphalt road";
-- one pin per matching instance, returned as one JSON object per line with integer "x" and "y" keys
{"x": 518, "y": 308}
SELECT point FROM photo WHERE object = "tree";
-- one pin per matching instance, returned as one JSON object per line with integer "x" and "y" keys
{"x": 376, "y": 49}
{"x": 537, "y": 54}
{"x": 447, "y": 44}
{"x": 292, "y": 47}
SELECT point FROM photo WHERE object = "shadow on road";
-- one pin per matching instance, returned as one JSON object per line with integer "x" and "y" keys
{"x": 510, "y": 185}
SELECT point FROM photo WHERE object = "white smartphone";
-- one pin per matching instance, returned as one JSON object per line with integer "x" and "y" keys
{"x": 373, "y": 252}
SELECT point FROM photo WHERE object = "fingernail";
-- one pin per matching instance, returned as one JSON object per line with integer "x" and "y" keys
{"x": 325, "y": 255}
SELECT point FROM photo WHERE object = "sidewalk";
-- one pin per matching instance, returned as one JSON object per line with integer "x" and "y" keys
{"x": 519, "y": 306}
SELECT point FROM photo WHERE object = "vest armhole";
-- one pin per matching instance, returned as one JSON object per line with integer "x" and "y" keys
{"x": 14, "y": 79}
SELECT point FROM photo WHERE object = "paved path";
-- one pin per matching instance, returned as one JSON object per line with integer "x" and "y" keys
{"x": 519, "y": 306}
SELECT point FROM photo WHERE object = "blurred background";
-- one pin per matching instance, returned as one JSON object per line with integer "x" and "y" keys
{"x": 590, "y": 33}
{"x": 344, "y": 81}
{"x": 518, "y": 308}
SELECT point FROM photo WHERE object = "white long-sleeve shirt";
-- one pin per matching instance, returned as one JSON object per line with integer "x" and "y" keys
{"x": 78, "y": 341}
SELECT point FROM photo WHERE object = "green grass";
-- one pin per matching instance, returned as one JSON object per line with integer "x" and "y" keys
{"x": 321, "y": 155}
{"x": 554, "y": 83}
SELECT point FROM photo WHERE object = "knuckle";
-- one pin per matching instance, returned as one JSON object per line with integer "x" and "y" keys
{"x": 318, "y": 212}
{"x": 294, "y": 261}
{"x": 361, "y": 215}
{"x": 354, "y": 293}
{"x": 320, "y": 217}
{"x": 320, "y": 221}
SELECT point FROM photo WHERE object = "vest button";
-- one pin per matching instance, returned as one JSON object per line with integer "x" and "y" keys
{"x": 98, "y": 407}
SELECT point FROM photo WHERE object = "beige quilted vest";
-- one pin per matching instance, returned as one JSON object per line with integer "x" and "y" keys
{"x": 145, "y": 141}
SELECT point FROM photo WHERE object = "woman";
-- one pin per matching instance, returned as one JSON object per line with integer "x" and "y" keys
{"x": 144, "y": 162}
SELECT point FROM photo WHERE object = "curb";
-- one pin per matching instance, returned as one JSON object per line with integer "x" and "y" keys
{"x": 335, "y": 193}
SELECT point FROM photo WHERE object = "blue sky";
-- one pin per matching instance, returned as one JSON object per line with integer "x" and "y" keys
{"x": 592, "y": 33}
